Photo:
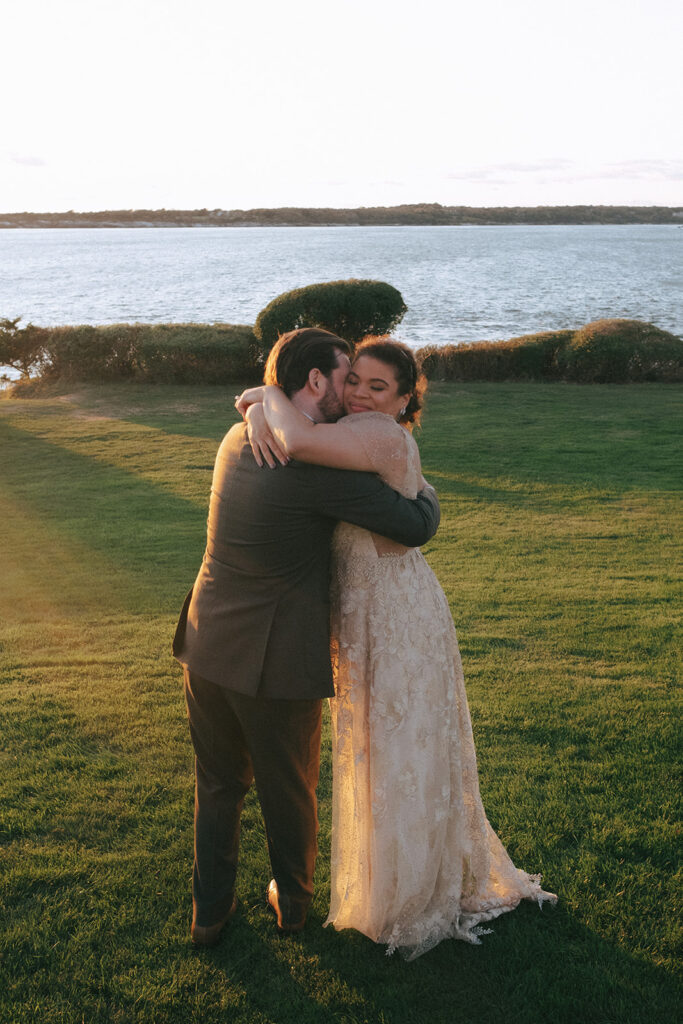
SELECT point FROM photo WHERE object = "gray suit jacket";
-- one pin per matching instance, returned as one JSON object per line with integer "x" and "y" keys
{"x": 257, "y": 619}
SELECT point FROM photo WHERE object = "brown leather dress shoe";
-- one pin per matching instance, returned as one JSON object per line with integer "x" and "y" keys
{"x": 291, "y": 917}
{"x": 203, "y": 937}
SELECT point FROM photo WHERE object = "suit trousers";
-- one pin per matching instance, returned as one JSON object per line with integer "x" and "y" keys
{"x": 238, "y": 739}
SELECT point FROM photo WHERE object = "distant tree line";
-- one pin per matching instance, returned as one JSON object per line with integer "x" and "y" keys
{"x": 294, "y": 216}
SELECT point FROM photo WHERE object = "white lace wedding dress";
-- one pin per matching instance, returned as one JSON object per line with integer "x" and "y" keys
{"x": 414, "y": 859}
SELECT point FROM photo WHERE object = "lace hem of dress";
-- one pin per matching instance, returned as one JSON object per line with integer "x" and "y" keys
{"x": 460, "y": 924}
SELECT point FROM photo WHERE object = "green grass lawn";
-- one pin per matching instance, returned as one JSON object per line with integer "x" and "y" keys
{"x": 559, "y": 554}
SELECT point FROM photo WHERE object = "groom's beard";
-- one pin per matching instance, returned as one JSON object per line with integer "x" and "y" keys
{"x": 330, "y": 406}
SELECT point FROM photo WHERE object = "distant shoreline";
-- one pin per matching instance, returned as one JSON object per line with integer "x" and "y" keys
{"x": 423, "y": 214}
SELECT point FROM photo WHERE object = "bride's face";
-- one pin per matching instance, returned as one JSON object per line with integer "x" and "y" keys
{"x": 371, "y": 386}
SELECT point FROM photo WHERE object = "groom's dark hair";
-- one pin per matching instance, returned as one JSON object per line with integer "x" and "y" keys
{"x": 296, "y": 353}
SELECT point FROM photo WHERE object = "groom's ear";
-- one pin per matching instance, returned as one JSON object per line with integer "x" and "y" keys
{"x": 317, "y": 381}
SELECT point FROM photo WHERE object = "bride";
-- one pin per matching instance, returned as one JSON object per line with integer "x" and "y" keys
{"x": 414, "y": 859}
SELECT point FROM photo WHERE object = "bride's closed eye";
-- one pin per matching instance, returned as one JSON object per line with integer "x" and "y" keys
{"x": 353, "y": 380}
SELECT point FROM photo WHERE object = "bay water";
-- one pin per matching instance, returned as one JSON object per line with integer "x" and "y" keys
{"x": 459, "y": 283}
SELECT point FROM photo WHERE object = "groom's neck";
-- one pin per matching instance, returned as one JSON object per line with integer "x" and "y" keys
{"x": 307, "y": 404}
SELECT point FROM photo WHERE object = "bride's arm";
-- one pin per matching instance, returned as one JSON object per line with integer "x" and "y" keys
{"x": 326, "y": 444}
{"x": 252, "y": 396}
{"x": 263, "y": 444}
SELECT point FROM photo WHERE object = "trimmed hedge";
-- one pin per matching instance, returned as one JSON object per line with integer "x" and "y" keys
{"x": 158, "y": 353}
{"x": 350, "y": 309}
{"x": 198, "y": 354}
{"x": 531, "y": 357}
{"x": 617, "y": 351}
{"x": 605, "y": 351}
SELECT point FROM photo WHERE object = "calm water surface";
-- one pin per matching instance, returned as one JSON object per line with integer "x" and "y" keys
{"x": 459, "y": 283}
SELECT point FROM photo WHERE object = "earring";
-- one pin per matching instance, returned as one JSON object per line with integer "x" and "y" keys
{"x": 403, "y": 411}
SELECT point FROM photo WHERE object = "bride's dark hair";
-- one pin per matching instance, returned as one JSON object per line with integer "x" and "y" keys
{"x": 408, "y": 371}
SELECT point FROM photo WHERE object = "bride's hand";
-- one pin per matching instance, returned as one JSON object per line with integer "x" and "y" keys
{"x": 263, "y": 443}
{"x": 252, "y": 396}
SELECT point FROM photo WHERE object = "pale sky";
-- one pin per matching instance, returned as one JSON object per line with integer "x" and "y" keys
{"x": 119, "y": 104}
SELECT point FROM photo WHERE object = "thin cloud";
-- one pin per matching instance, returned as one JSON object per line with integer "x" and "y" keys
{"x": 27, "y": 159}
{"x": 669, "y": 170}
{"x": 560, "y": 172}
{"x": 504, "y": 173}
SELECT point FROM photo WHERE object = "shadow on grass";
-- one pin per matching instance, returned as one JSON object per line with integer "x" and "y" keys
{"x": 100, "y": 856}
{"x": 133, "y": 528}
{"x": 537, "y": 966}
{"x": 580, "y": 437}
{"x": 69, "y": 781}
{"x": 485, "y": 494}
{"x": 191, "y": 411}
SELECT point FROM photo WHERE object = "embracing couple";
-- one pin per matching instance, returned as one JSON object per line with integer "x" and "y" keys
{"x": 312, "y": 585}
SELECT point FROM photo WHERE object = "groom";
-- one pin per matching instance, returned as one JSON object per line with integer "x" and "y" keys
{"x": 253, "y": 638}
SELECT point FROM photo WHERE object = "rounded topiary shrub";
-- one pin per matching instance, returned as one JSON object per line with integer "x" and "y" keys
{"x": 617, "y": 351}
{"x": 350, "y": 309}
